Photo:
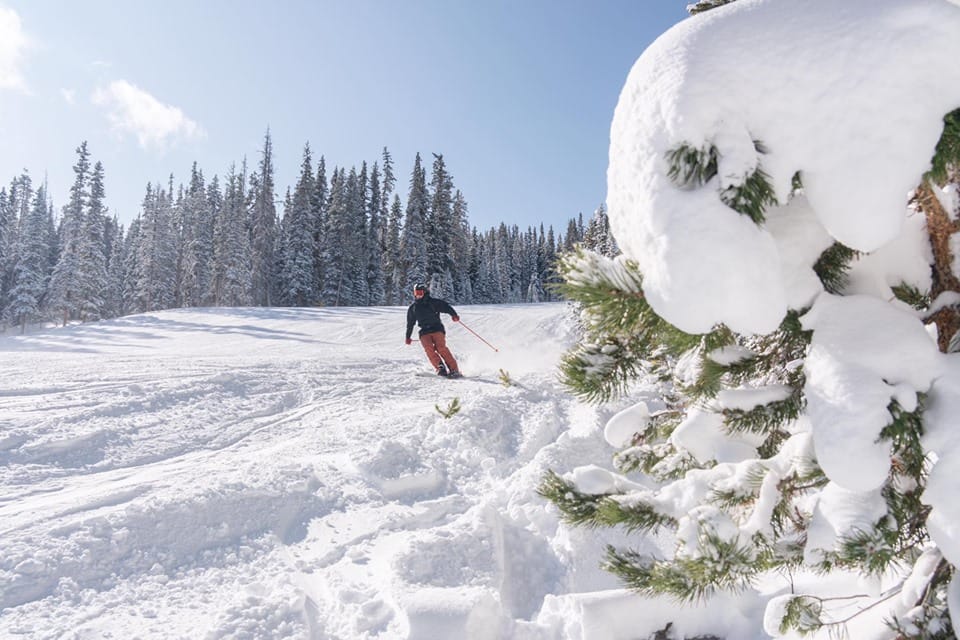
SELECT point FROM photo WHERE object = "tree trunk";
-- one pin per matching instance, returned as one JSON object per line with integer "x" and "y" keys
{"x": 940, "y": 228}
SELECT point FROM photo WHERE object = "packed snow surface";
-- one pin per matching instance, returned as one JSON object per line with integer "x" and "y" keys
{"x": 285, "y": 473}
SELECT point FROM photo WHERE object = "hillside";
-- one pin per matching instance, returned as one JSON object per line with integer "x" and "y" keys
{"x": 284, "y": 473}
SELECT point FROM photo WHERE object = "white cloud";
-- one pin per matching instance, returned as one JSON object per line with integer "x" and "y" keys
{"x": 13, "y": 42}
{"x": 69, "y": 95}
{"x": 133, "y": 110}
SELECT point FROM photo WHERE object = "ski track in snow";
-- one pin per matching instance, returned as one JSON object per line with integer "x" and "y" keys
{"x": 273, "y": 473}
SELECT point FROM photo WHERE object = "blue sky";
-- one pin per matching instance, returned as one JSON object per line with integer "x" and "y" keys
{"x": 517, "y": 95}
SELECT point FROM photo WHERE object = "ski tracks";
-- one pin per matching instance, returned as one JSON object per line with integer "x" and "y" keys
{"x": 445, "y": 490}
{"x": 269, "y": 496}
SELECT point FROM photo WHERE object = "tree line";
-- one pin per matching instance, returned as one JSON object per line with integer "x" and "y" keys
{"x": 343, "y": 238}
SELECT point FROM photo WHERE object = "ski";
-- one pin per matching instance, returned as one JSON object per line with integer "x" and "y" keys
{"x": 424, "y": 374}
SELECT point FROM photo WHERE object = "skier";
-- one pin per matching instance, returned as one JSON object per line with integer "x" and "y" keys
{"x": 425, "y": 311}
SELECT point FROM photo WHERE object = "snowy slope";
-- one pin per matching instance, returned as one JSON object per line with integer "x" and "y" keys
{"x": 283, "y": 473}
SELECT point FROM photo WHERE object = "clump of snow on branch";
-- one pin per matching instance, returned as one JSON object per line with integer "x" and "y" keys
{"x": 708, "y": 82}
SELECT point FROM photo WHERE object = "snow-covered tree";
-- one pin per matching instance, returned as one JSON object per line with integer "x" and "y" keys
{"x": 440, "y": 227}
{"x": 776, "y": 279}
{"x": 15, "y": 207}
{"x": 62, "y": 297}
{"x": 337, "y": 274}
{"x": 30, "y": 272}
{"x": 597, "y": 237}
{"x": 390, "y": 224}
{"x": 196, "y": 243}
{"x": 155, "y": 281}
{"x": 376, "y": 239}
{"x": 413, "y": 240}
{"x": 115, "y": 302}
{"x": 391, "y": 260}
{"x": 232, "y": 283}
{"x": 297, "y": 286}
{"x": 263, "y": 226}
{"x": 92, "y": 259}
{"x": 358, "y": 238}
{"x": 459, "y": 249}
{"x": 320, "y": 204}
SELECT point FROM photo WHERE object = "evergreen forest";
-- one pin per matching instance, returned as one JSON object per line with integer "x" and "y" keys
{"x": 338, "y": 237}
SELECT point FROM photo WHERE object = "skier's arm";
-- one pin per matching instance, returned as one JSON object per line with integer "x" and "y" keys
{"x": 446, "y": 308}
{"x": 411, "y": 318}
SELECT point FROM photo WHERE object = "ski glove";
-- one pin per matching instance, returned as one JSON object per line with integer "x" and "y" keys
{"x": 456, "y": 318}
{"x": 409, "y": 341}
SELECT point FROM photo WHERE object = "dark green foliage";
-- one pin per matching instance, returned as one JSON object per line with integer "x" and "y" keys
{"x": 652, "y": 453}
{"x": 599, "y": 372}
{"x": 691, "y": 168}
{"x": 622, "y": 335}
{"x": 635, "y": 516}
{"x": 947, "y": 152}
{"x": 751, "y": 198}
{"x": 767, "y": 418}
{"x": 771, "y": 358}
{"x": 833, "y": 265}
{"x": 575, "y": 506}
{"x": 706, "y": 5}
{"x": 592, "y": 510}
{"x": 911, "y": 295}
{"x": 729, "y": 568}
{"x": 802, "y": 614}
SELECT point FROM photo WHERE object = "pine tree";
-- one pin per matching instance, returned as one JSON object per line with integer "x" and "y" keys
{"x": 747, "y": 516}
{"x": 573, "y": 237}
{"x": 196, "y": 243}
{"x": 130, "y": 268}
{"x": 376, "y": 240}
{"x": 336, "y": 286}
{"x": 392, "y": 265}
{"x": 391, "y": 219}
{"x": 155, "y": 281}
{"x": 598, "y": 237}
{"x": 30, "y": 272}
{"x": 413, "y": 240}
{"x": 218, "y": 267}
{"x": 263, "y": 227}
{"x": 62, "y": 297}
{"x": 14, "y": 209}
{"x": 92, "y": 262}
{"x": 358, "y": 238}
{"x": 440, "y": 224}
{"x": 115, "y": 303}
{"x": 459, "y": 249}
{"x": 389, "y": 181}
{"x": 234, "y": 281}
{"x": 297, "y": 284}
{"x": 320, "y": 204}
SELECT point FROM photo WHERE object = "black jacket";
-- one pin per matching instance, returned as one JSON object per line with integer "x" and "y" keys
{"x": 426, "y": 313}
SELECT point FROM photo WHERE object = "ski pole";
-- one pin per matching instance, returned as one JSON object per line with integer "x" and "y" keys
{"x": 478, "y": 336}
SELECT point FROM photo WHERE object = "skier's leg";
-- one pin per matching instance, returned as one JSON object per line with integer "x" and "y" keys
{"x": 441, "y": 344}
{"x": 430, "y": 348}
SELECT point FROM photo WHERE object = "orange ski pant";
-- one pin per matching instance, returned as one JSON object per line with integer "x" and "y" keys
{"x": 435, "y": 345}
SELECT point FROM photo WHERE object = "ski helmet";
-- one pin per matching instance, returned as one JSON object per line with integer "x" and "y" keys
{"x": 419, "y": 290}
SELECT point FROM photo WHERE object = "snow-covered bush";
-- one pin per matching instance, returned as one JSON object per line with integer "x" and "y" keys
{"x": 777, "y": 185}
